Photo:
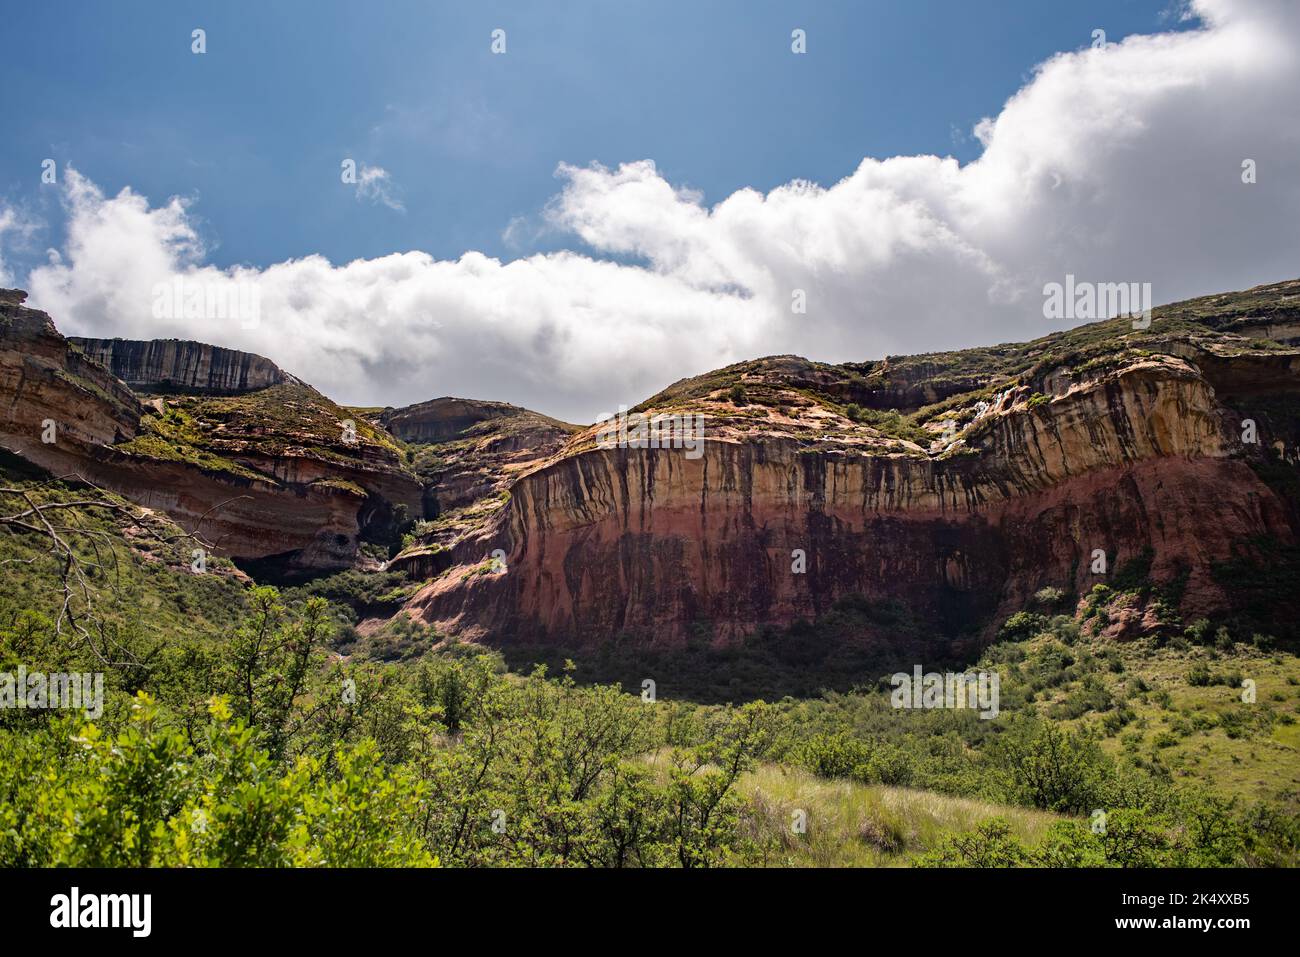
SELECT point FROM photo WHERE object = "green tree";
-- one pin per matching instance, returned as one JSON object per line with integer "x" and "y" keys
{"x": 268, "y": 663}
{"x": 1047, "y": 767}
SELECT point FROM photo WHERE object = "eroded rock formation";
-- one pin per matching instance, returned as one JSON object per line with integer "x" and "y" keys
{"x": 277, "y": 473}
{"x": 952, "y": 485}
{"x": 1103, "y": 441}
{"x": 59, "y": 408}
{"x": 178, "y": 365}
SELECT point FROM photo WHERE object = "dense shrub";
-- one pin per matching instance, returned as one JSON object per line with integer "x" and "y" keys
{"x": 1021, "y": 626}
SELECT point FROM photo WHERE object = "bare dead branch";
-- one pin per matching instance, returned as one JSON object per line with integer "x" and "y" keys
{"x": 60, "y": 522}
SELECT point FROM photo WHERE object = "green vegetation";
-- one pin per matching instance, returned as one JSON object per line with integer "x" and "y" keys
{"x": 889, "y": 423}
{"x": 143, "y": 593}
{"x": 253, "y": 749}
{"x": 235, "y": 433}
{"x": 244, "y": 726}
{"x": 174, "y": 436}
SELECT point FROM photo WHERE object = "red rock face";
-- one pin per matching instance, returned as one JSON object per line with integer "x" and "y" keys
{"x": 647, "y": 543}
{"x": 467, "y": 452}
{"x": 304, "y": 508}
{"x": 42, "y": 381}
{"x": 809, "y": 487}
{"x": 307, "y": 527}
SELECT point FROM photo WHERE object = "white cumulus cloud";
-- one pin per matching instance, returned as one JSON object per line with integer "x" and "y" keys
{"x": 1120, "y": 164}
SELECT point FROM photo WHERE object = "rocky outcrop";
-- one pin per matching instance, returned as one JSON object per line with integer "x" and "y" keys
{"x": 314, "y": 482}
{"x": 178, "y": 365}
{"x": 1133, "y": 454}
{"x": 955, "y": 485}
{"x": 59, "y": 408}
{"x": 467, "y": 452}
{"x": 439, "y": 420}
{"x": 278, "y": 475}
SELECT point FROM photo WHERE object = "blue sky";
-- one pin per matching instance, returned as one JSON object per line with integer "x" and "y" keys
{"x": 253, "y": 131}
{"x": 635, "y": 192}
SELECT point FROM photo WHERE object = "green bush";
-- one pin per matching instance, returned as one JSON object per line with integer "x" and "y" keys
{"x": 1049, "y": 596}
{"x": 1021, "y": 626}
{"x": 147, "y": 797}
{"x": 1044, "y": 766}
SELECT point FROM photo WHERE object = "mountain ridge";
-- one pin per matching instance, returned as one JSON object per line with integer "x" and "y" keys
{"x": 957, "y": 483}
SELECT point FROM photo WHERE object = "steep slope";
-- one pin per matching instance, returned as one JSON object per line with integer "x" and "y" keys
{"x": 177, "y": 365}
{"x": 956, "y": 483}
{"x": 951, "y": 485}
{"x": 466, "y": 452}
{"x": 336, "y": 481}
{"x": 276, "y": 474}
{"x": 59, "y": 407}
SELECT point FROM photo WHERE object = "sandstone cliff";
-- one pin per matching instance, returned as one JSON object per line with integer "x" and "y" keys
{"x": 59, "y": 407}
{"x": 177, "y": 365}
{"x": 1105, "y": 440}
{"x": 467, "y": 452}
{"x": 278, "y": 475}
{"x": 952, "y": 486}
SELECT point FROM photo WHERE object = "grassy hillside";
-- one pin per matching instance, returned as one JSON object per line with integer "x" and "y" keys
{"x": 141, "y": 585}
{"x": 240, "y": 434}
{"x": 803, "y": 820}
